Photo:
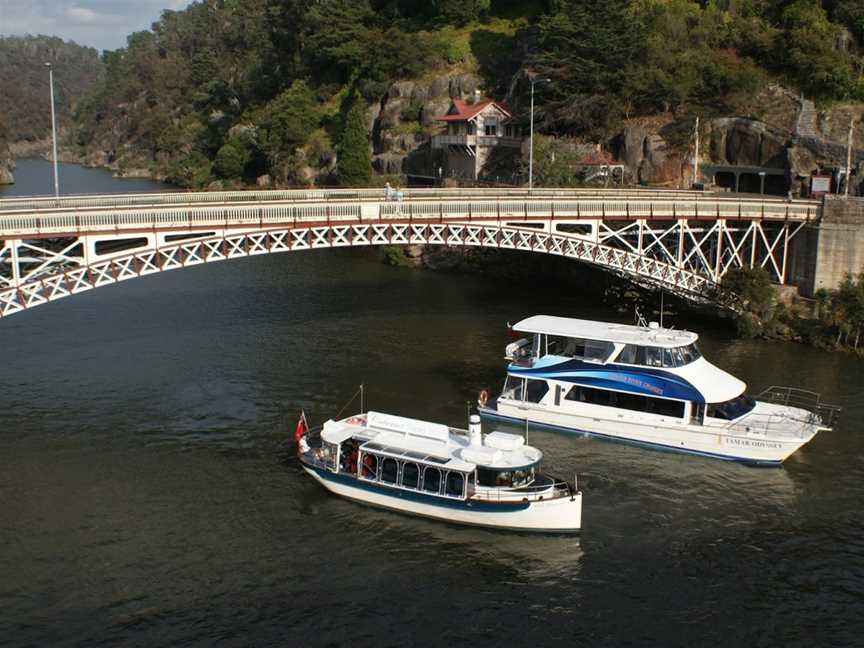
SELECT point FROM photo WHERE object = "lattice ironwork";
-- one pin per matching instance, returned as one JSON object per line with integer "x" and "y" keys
{"x": 685, "y": 243}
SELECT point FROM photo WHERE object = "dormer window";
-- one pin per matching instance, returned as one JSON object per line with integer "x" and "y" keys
{"x": 491, "y": 126}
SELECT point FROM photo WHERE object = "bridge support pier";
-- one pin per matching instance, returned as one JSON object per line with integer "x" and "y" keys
{"x": 825, "y": 254}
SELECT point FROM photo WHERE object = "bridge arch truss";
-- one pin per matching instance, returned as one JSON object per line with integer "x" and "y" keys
{"x": 683, "y": 245}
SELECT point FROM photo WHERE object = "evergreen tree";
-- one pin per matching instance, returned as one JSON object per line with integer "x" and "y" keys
{"x": 355, "y": 158}
{"x": 586, "y": 48}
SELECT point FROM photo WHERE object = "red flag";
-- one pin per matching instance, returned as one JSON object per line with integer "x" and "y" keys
{"x": 302, "y": 428}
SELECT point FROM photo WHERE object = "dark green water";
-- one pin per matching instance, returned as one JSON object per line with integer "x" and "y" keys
{"x": 147, "y": 496}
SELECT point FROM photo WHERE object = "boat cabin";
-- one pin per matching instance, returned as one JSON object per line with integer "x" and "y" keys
{"x": 644, "y": 371}
{"x": 429, "y": 458}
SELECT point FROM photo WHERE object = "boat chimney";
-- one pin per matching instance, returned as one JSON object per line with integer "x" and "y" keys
{"x": 475, "y": 433}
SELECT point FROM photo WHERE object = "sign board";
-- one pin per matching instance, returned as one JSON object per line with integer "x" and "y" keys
{"x": 820, "y": 185}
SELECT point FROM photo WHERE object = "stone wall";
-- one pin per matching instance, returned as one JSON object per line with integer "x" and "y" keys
{"x": 823, "y": 256}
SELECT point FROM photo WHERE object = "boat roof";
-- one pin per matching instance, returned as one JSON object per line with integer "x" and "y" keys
{"x": 430, "y": 443}
{"x": 606, "y": 331}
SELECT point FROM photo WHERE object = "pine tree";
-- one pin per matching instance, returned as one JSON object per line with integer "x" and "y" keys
{"x": 355, "y": 158}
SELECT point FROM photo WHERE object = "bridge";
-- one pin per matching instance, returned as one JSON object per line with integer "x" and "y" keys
{"x": 684, "y": 241}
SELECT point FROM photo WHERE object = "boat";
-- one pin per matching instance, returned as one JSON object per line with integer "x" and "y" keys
{"x": 648, "y": 385}
{"x": 435, "y": 471}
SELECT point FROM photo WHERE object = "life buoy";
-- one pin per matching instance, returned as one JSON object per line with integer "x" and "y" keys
{"x": 483, "y": 397}
{"x": 356, "y": 420}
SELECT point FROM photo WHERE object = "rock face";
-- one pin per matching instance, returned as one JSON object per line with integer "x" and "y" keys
{"x": 7, "y": 163}
{"x": 406, "y": 117}
{"x": 648, "y": 157}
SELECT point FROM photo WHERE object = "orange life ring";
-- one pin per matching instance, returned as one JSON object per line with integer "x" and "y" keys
{"x": 483, "y": 397}
{"x": 356, "y": 420}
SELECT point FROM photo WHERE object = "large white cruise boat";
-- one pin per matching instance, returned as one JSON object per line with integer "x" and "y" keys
{"x": 648, "y": 385}
{"x": 432, "y": 470}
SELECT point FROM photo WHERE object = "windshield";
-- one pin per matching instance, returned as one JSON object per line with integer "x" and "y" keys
{"x": 731, "y": 409}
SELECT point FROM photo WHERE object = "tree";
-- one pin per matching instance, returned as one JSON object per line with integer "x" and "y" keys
{"x": 354, "y": 166}
{"x": 586, "y": 48}
{"x": 232, "y": 158}
{"x": 293, "y": 115}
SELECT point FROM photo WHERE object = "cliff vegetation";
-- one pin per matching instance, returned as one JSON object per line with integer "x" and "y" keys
{"x": 274, "y": 89}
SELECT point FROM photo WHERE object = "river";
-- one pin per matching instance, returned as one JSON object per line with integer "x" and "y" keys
{"x": 147, "y": 496}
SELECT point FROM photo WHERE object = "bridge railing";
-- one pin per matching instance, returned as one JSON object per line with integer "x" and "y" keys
{"x": 291, "y": 214}
{"x": 85, "y": 201}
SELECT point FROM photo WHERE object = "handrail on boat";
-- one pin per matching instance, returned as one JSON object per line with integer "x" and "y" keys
{"x": 822, "y": 414}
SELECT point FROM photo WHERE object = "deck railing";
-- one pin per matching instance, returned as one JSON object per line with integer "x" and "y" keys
{"x": 820, "y": 413}
{"x": 552, "y": 490}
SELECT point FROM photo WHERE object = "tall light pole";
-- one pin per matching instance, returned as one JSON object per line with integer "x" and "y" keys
{"x": 531, "y": 135}
{"x": 53, "y": 129}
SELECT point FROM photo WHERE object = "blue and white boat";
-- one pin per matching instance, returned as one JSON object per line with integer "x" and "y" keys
{"x": 648, "y": 385}
{"x": 432, "y": 470}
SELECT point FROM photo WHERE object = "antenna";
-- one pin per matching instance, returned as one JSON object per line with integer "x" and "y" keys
{"x": 662, "y": 293}
{"x": 362, "y": 411}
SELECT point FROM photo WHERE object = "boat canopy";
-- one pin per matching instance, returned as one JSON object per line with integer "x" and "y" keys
{"x": 605, "y": 331}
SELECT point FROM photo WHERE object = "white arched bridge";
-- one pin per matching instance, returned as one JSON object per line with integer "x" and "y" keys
{"x": 684, "y": 241}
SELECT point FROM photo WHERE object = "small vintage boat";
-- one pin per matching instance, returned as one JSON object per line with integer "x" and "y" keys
{"x": 432, "y": 470}
{"x": 650, "y": 386}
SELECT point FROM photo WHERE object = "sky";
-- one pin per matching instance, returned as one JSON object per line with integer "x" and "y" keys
{"x": 103, "y": 24}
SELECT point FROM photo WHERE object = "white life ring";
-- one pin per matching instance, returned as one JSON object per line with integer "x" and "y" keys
{"x": 356, "y": 420}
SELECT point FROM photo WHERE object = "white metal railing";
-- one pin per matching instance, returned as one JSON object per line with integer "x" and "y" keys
{"x": 552, "y": 490}
{"x": 818, "y": 413}
{"x": 771, "y": 426}
{"x": 171, "y": 216}
{"x": 84, "y": 201}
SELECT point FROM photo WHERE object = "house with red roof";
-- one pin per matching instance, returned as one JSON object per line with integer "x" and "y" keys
{"x": 473, "y": 130}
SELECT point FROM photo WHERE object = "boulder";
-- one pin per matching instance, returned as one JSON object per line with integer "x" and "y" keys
{"x": 743, "y": 146}
{"x": 633, "y": 146}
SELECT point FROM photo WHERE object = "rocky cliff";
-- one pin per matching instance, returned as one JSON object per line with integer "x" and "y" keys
{"x": 7, "y": 163}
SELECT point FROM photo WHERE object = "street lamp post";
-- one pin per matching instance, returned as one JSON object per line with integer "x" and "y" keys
{"x": 531, "y": 135}
{"x": 53, "y": 129}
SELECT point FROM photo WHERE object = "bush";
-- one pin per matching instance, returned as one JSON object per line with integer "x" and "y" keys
{"x": 232, "y": 158}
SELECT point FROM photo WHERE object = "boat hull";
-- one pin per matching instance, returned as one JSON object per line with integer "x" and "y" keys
{"x": 754, "y": 449}
{"x": 559, "y": 515}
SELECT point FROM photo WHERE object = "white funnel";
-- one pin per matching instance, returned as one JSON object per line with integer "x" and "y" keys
{"x": 475, "y": 433}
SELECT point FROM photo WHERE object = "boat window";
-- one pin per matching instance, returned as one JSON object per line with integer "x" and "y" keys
{"x": 564, "y": 346}
{"x": 598, "y": 350}
{"x": 513, "y": 388}
{"x": 623, "y": 400}
{"x": 369, "y": 466}
{"x": 328, "y": 455}
{"x": 653, "y": 357}
{"x": 628, "y": 354}
{"x": 535, "y": 390}
{"x": 389, "y": 470}
{"x": 690, "y": 353}
{"x": 455, "y": 485}
{"x": 523, "y": 476}
{"x": 432, "y": 480}
{"x": 410, "y": 475}
{"x": 731, "y": 409}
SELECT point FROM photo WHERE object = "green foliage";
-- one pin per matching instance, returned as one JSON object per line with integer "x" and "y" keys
{"x": 24, "y": 98}
{"x": 586, "y": 48}
{"x": 461, "y": 12}
{"x": 753, "y": 288}
{"x": 292, "y": 116}
{"x": 807, "y": 47}
{"x": 232, "y": 158}
{"x": 843, "y": 309}
{"x": 355, "y": 158}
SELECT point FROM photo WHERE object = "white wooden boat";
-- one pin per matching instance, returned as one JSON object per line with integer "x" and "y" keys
{"x": 432, "y": 470}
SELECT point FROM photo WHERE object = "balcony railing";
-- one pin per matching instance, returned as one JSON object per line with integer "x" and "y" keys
{"x": 440, "y": 141}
